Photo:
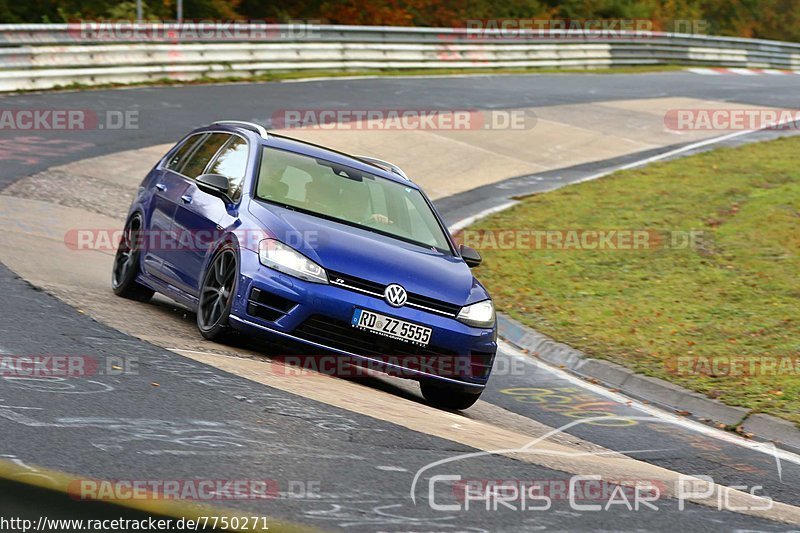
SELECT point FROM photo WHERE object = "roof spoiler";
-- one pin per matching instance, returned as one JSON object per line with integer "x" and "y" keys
{"x": 385, "y": 165}
{"x": 252, "y": 126}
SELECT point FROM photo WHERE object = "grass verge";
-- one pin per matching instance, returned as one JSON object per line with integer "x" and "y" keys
{"x": 720, "y": 316}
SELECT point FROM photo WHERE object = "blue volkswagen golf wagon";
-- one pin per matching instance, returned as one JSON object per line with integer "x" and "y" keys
{"x": 296, "y": 244}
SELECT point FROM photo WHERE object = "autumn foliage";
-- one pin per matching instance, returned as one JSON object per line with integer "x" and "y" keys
{"x": 768, "y": 19}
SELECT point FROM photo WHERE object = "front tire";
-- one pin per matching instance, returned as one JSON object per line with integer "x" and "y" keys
{"x": 446, "y": 396}
{"x": 126, "y": 264}
{"x": 216, "y": 294}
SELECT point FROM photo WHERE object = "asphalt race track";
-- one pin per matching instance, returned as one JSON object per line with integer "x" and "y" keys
{"x": 337, "y": 465}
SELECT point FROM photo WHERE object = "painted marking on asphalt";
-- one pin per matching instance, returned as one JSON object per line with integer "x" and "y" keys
{"x": 492, "y": 439}
{"x": 376, "y": 77}
{"x": 329, "y": 78}
{"x": 461, "y": 224}
{"x": 641, "y": 162}
{"x": 205, "y": 353}
{"x": 677, "y": 151}
{"x": 766, "y": 448}
{"x": 705, "y": 71}
{"x": 19, "y": 462}
{"x": 392, "y": 468}
{"x": 565, "y": 401}
{"x": 741, "y": 71}
{"x": 762, "y": 447}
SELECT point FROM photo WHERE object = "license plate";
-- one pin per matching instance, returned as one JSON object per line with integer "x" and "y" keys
{"x": 391, "y": 327}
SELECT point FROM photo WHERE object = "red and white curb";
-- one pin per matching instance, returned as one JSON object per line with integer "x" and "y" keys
{"x": 743, "y": 71}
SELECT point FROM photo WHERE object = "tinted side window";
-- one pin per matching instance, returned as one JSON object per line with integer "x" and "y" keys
{"x": 197, "y": 161}
{"x": 232, "y": 163}
{"x": 179, "y": 157}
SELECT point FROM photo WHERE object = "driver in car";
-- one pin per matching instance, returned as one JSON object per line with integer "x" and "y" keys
{"x": 355, "y": 205}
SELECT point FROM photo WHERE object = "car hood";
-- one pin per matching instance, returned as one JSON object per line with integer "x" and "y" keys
{"x": 365, "y": 254}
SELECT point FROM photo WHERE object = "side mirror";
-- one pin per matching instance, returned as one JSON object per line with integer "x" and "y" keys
{"x": 216, "y": 184}
{"x": 470, "y": 256}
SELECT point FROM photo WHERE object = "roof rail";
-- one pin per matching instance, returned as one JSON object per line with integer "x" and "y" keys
{"x": 385, "y": 165}
{"x": 252, "y": 126}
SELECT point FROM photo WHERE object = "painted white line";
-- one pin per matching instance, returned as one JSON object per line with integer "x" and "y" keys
{"x": 178, "y": 350}
{"x": 379, "y": 77}
{"x": 330, "y": 78}
{"x": 765, "y": 448}
{"x": 673, "y": 419}
{"x": 641, "y": 162}
{"x": 392, "y": 468}
{"x": 17, "y": 461}
{"x": 461, "y": 224}
{"x": 705, "y": 71}
{"x": 665, "y": 155}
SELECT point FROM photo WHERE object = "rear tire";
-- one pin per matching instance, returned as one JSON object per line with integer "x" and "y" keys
{"x": 126, "y": 264}
{"x": 446, "y": 396}
{"x": 217, "y": 293}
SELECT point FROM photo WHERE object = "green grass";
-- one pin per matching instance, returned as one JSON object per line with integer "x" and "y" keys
{"x": 737, "y": 294}
{"x": 284, "y": 75}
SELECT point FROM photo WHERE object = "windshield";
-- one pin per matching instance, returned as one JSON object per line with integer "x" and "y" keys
{"x": 350, "y": 196}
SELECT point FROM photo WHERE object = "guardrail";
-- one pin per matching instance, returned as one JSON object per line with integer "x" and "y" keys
{"x": 42, "y": 56}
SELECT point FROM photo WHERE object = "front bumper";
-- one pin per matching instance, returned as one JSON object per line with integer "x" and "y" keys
{"x": 318, "y": 316}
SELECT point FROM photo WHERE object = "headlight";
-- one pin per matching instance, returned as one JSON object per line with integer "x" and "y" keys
{"x": 480, "y": 315}
{"x": 282, "y": 258}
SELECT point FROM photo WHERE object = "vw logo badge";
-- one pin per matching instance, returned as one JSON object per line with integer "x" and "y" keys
{"x": 395, "y": 295}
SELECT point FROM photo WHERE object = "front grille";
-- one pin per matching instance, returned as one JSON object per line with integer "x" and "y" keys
{"x": 438, "y": 305}
{"x": 337, "y": 278}
{"x": 376, "y": 289}
{"x": 430, "y": 359}
{"x": 342, "y": 336}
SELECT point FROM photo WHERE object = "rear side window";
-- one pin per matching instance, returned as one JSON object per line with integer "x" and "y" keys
{"x": 179, "y": 157}
{"x": 232, "y": 163}
{"x": 201, "y": 155}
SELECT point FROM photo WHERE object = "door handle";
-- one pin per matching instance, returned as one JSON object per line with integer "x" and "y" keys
{"x": 186, "y": 199}
{"x": 161, "y": 187}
